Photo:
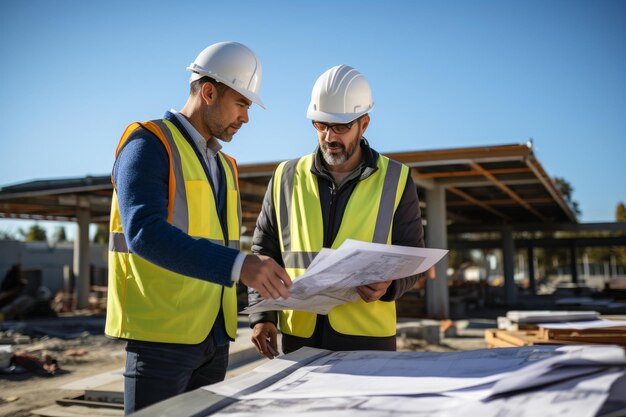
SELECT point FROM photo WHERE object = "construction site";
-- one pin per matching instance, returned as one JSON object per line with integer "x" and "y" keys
{"x": 59, "y": 363}
{"x": 330, "y": 209}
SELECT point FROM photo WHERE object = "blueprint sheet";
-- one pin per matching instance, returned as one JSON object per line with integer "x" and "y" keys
{"x": 333, "y": 276}
{"x": 582, "y": 397}
{"x": 492, "y": 379}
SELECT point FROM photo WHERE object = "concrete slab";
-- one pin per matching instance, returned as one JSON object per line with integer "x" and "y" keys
{"x": 77, "y": 411}
{"x": 95, "y": 381}
{"x": 111, "y": 393}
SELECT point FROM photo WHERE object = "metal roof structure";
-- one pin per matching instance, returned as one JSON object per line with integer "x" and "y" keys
{"x": 484, "y": 185}
{"x": 57, "y": 199}
{"x": 490, "y": 185}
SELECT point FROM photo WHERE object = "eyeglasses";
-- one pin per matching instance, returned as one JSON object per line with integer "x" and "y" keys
{"x": 339, "y": 128}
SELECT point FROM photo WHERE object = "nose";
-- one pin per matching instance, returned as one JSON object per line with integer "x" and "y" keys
{"x": 329, "y": 136}
{"x": 244, "y": 118}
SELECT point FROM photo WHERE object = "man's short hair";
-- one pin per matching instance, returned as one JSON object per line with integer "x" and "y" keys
{"x": 196, "y": 85}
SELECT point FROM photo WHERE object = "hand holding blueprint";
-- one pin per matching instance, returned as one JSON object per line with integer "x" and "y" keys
{"x": 333, "y": 276}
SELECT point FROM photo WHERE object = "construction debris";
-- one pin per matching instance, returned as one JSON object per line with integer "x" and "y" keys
{"x": 555, "y": 328}
{"x": 75, "y": 352}
{"x": 23, "y": 362}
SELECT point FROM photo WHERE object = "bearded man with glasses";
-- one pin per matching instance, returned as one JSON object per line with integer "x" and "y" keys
{"x": 343, "y": 190}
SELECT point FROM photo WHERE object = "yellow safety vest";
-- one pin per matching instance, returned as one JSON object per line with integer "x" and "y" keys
{"x": 150, "y": 303}
{"x": 368, "y": 217}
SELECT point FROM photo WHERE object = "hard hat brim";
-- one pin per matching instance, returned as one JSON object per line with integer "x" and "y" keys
{"x": 250, "y": 96}
{"x": 197, "y": 74}
{"x": 320, "y": 116}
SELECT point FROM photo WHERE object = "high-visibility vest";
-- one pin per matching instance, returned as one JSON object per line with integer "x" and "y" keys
{"x": 368, "y": 217}
{"x": 150, "y": 303}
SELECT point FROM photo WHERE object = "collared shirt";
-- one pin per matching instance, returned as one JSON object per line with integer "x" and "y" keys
{"x": 209, "y": 149}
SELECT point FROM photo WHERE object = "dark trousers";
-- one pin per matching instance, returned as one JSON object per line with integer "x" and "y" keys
{"x": 157, "y": 371}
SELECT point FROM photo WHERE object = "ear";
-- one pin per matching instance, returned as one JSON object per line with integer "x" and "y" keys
{"x": 365, "y": 121}
{"x": 208, "y": 93}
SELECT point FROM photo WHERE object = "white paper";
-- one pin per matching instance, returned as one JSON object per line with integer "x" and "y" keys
{"x": 476, "y": 375}
{"x": 582, "y": 325}
{"x": 580, "y": 397}
{"x": 539, "y": 316}
{"x": 264, "y": 375}
{"x": 576, "y": 360}
{"x": 387, "y": 406}
{"x": 333, "y": 276}
{"x": 362, "y": 373}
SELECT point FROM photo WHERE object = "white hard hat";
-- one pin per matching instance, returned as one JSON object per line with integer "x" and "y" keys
{"x": 233, "y": 64}
{"x": 340, "y": 95}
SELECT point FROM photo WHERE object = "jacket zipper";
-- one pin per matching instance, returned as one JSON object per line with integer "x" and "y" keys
{"x": 328, "y": 238}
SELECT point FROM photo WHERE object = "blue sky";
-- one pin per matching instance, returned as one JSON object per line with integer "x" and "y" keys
{"x": 444, "y": 74}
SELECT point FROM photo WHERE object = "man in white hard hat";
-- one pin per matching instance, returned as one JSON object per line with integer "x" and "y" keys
{"x": 343, "y": 190}
{"x": 174, "y": 257}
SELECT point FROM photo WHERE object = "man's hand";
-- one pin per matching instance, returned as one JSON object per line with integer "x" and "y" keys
{"x": 373, "y": 292}
{"x": 264, "y": 338}
{"x": 264, "y": 275}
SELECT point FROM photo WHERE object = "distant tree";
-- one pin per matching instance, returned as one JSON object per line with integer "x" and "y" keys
{"x": 59, "y": 235}
{"x": 6, "y": 235}
{"x": 35, "y": 233}
{"x": 620, "y": 212}
{"x": 102, "y": 235}
{"x": 568, "y": 192}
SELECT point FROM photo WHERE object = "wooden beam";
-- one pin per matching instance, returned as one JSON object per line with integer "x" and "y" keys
{"x": 501, "y": 202}
{"x": 474, "y": 201}
{"x": 427, "y": 183}
{"x": 435, "y": 175}
{"x": 507, "y": 190}
{"x": 248, "y": 187}
{"x": 551, "y": 187}
{"x": 481, "y": 153}
{"x": 518, "y": 152}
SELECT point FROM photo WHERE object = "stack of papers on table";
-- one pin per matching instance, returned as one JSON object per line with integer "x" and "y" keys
{"x": 532, "y": 381}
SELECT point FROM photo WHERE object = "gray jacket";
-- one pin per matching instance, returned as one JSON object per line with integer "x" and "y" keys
{"x": 407, "y": 230}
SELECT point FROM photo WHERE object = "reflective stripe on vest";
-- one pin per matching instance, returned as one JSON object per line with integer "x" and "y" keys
{"x": 117, "y": 243}
{"x": 368, "y": 217}
{"x": 150, "y": 303}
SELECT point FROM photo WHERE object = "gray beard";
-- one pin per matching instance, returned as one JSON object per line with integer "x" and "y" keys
{"x": 335, "y": 159}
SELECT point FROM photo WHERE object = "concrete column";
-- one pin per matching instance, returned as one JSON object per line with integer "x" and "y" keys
{"x": 532, "y": 285}
{"x": 437, "y": 300}
{"x": 508, "y": 259}
{"x": 82, "y": 259}
{"x": 572, "y": 261}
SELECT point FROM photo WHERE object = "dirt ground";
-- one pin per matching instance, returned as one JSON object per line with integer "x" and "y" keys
{"x": 23, "y": 392}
